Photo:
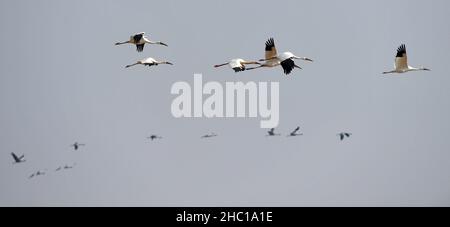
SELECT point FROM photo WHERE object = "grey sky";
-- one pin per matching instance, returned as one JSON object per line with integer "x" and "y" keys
{"x": 63, "y": 80}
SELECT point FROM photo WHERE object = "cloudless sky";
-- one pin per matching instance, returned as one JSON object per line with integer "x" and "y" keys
{"x": 62, "y": 80}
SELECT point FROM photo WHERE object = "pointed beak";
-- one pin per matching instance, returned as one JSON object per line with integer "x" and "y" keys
{"x": 307, "y": 59}
{"x": 169, "y": 63}
{"x": 164, "y": 44}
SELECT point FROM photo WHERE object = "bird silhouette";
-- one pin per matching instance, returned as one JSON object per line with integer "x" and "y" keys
{"x": 77, "y": 145}
{"x": 295, "y": 133}
{"x": 154, "y": 137}
{"x": 18, "y": 159}
{"x": 344, "y": 135}
{"x": 272, "y": 133}
{"x": 36, "y": 174}
{"x": 209, "y": 135}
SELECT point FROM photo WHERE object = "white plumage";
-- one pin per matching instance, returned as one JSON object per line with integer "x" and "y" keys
{"x": 149, "y": 62}
{"x": 401, "y": 62}
{"x": 285, "y": 59}
{"x": 238, "y": 64}
{"x": 140, "y": 40}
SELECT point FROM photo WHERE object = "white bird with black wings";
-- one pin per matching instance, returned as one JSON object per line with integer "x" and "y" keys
{"x": 285, "y": 59}
{"x": 401, "y": 62}
{"x": 140, "y": 40}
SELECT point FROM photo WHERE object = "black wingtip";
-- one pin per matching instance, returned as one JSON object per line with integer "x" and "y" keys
{"x": 401, "y": 51}
{"x": 270, "y": 44}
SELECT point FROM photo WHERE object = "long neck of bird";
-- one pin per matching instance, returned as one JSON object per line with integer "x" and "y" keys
{"x": 120, "y": 43}
{"x": 128, "y": 66}
{"x": 251, "y": 62}
{"x": 221, "y": 65}
{"x": 418, "y": 69}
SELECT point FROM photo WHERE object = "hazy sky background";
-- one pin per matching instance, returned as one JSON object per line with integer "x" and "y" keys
{"x": 63, "y": 80}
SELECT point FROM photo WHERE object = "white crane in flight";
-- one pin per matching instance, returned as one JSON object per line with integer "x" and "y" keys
{"x": 238, "y": 65}
{"x": 401, "y": 62}
{"x": 285, "y": 59}
{"x": 140, "y": 40}
{"x": 149, "y": 62}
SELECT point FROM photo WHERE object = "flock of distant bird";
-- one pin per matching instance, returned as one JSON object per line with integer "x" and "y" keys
{"x": 272, "y": 59}
{"x": 270, "y": 133}
{"x": 21, "y": 159}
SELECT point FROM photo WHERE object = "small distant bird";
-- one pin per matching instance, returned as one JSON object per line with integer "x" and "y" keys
{"x": 68, "y": 167}
{"x": 401, "y": 62}
{"x": 154, "y": 137}
{"x": 344, "y": 135}
{"x": 36, "y": 174}
{"x": 77, "y": 145}
{"x": 18, "y": 159}
{"x": 149, "y": 62}
{"x": 238, "y": 65}
{"x": 273, "y": 59}
{"x": 295, "y": 133}
{"x": 140, "y": 40}
{"x": 209, "y": 135}
{"x": 58, "y": 169}
{"x": 39, "y": 173}
{"x": 272, "y": 133}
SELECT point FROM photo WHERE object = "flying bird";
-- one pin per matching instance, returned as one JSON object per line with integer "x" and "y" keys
{"x": 273, "y": 59}
{"x": 36, "y": 174}
{"x": 68, "y": 167}
{"x": 238, "y": 65}
{"x": 209, "y": 135}
{"x": 140, "y": 40}
{"x": 272, "y": 133}
{"x": 401, "y": 62}
{"x": 344, "y": 135}
{"x": 77, "y": 145}
{"x": 154, "y": 137}
{"x": 58, "y": 169}
{"x": 18, "y": 159}
{"x": 295, "y": 133}
{"x": 149, "y": 62}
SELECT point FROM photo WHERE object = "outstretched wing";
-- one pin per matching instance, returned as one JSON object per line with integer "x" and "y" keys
{"x": 16, "y": 159}
{"x": 271, "y": 51}
{"x": 288, "y": 65}
{"x": 401, "y": 60}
